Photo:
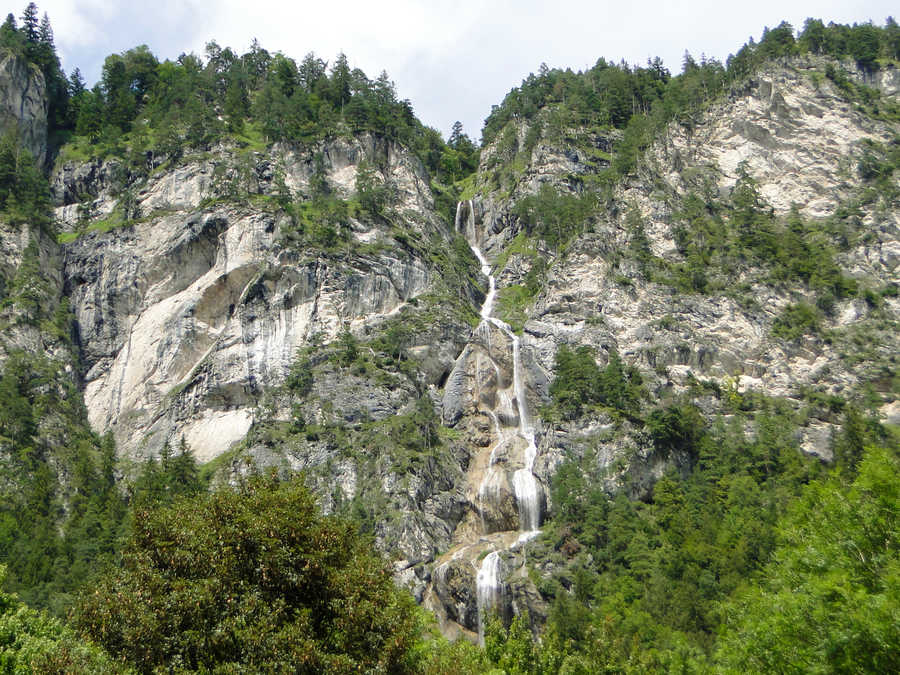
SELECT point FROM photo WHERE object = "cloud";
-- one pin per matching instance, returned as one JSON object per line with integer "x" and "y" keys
{"x": 87, "y": 31}
{"x": 452, "y": 59}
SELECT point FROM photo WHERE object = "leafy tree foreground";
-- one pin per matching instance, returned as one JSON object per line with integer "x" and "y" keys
{"x": 250, "y": 580}
{"x": 829, "y": 600}
{"x": 31, "y": 641}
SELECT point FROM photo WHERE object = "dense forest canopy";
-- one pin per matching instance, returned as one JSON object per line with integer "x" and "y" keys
{"x": 611, "y": 94}
{"x": 144, "y": 104}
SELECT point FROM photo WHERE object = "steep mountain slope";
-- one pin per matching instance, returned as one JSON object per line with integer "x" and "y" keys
{"x": 186, "y": 317}
{"x": 56, "y": 475}
{"x": 232, "y": 303}
{"x": 216, "y": 287}
{"x": 796, "y": 142}
{"x": 610, "y": 290}
{"x": 788, "y": 140}
{"x": 225, "y": 316}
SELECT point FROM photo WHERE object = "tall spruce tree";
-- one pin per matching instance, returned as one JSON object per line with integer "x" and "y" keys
{"x": 30, "y": 24}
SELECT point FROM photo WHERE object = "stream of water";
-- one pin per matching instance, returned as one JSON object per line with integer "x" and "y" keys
{"x": 489, "y": 582}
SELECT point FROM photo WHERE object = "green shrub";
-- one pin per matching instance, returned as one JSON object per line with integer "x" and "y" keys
{"x": 579, "y": 382}
{"x": 253, "y": 579}
{"x": 554, "y": 216}
{"x": 676, "y": 428}
{"x": 795, "y": 321}
{"x": 33, "y": 642}
{"x": 300, "y": 378}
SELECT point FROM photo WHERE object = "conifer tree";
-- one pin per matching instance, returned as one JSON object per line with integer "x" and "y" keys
{"x": 340, "y": 81}
{"x": 10, "y": 38}
{"x": 76, "y": 83}
{"x": 45, "y": 33}
{"x": 30, "y": 24}
{"x": 456, "y": 134}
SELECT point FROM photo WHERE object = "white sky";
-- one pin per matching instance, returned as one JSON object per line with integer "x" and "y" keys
{"x": 452, "y": 58}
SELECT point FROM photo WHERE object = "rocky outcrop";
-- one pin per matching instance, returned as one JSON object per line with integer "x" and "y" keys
{"x": 792, "y": 132}
{"x": 23, "y": 104}
{"x": 790, "y": 128}
{"x": 193, "y": 294}
{"x": 799, "y": 140}
{"x": 186, "y": 315}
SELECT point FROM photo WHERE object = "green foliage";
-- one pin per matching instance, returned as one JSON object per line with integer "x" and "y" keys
{"x": 828, "y": 600}
{"x": 348, "y": 348}
{"x": 724, "y": 242}
{"x": 866, "y": 98}
{"x": 511, "y": 304}
{"x": 300, "y": 378}
{"x": 857, "y": 432}
{"x": 796, "y": 321}
{"x": 250, "y": 579}
{"x": 637, "y": 136}
{"x": 142, "y": 105}
{"x": 33, "y": 642}
{"x": 607, "y": 93}
{"x": 321, "y": 222}
{"x": 459, "y": 157}
{"x": 511, "y": 650}
{"x": 24, "y": 191}
{"x": 579, "y": 382}
{"x": 641, "y": 100}
{"x": 29, "y": 290}
{"x": 374, "y": 195}
{"x": 60, "y": 509}
{"x": 555, "y": 216}
{"x": 410, "y": 444}
{"x": 638, "y": 100}
{"x": 877, "y": 166}
{"x": 162, "y": 482}
{"x": 640, "y": 584}
{"x": 441, "y": 657}
{"x": 676, "y": 428}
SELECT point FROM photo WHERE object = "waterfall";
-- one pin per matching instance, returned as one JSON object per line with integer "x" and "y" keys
{"x": 511, "y": 404}
{"x": 488, "y": 589}
{"x": 500, "y": 400}
{"x": 525, "y": 485}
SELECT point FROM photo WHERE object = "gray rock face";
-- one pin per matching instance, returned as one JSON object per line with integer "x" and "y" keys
{"x": 191, "y": 315}
{"x": 23, "y": 104}
{"x": 188, "y": 314}
{"x": 799, "y": 140}
{"x": 791, "y": 131}
{"x": 790, "y": 128}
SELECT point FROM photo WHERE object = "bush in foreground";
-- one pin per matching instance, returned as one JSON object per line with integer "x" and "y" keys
{"x": 31, "y": 641}
{"x": 251, "y": 580}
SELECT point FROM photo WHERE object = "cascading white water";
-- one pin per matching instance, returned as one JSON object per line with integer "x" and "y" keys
{"x": 509, "y": 419}
{"x": 525, "y": 485}
{"x": 488, "y": 589}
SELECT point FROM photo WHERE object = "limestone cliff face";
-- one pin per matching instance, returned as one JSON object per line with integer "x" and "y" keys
{"x": 792, "y": 130}
{"x": 190, "y": 316}
{"x": 793, "y": 133}
{"x": 23, "y": 104}
{"x": 186, "y": 316}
